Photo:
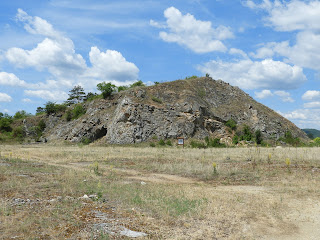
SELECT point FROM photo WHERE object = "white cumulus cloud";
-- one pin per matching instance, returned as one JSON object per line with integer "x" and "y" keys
{"x": 312, "y": 105}
{"x": 285, "y": 96}
{"x": 294, "y": 15}
{"x": 248, "y": 74}
{"x": 304, "y": 118}
{"x": 197, "y": 35}
{"x": 311, "y": 95}
{"x": 301, "y": 16}
{"x": 26, "y": 100}
{"x": 263, "y": 94}
{"x": 5, "y": 97}
{"x": 111, "y": 65}
{"x": 47, "y": 95}
{"x": 57, "y": 55}
{"x": 11, "y": 79}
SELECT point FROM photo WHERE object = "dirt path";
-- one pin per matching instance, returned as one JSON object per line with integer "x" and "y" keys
{"x": 306, "y": 216}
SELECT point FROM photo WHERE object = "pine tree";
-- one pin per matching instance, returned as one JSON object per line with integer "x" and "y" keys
{"x": 76, "y": 95}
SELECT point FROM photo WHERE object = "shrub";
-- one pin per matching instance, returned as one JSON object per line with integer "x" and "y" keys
{"x": 156, "y": 83}
{"x": 122, "y": 88}
{"x": 18, "y": 132}
{"x": 106, "y": 89}
{"x": 155, "y": 99}
{"x": 85, "y": 141}
{"x": 161, "y": 142}
{"x": 192, "y": 77}
{"x": 247, "y": 135}
{"x": 5, "y": 123}
{"x": 21, "y": 114}
{"x": 317, "y": 140}
{"x": 258, "y": 137}
{"x": 137, "y": 84}
{"x": 231, "y": 124}
{"x": 235, "y": 139}
{"x": 69, "y": 115}
{"x": 77, "y": 111}
{"x": 152, "y": 144}
{"x": 42, "y": 125}
{"x": 288, "y": 138}
{"x": 169, "y": 143}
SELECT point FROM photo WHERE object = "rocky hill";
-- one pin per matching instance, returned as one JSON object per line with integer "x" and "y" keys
{"x": 193, "y": 108}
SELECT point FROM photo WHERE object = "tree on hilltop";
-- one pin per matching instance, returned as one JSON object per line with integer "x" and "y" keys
{"x": 76, "y": 95}
{"x": 106, "y": 89}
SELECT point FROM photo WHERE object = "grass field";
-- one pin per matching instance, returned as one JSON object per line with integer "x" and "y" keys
{"x": 92, "y": 192}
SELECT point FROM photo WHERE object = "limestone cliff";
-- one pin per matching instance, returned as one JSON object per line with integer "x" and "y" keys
{"x": 193, "y": 108}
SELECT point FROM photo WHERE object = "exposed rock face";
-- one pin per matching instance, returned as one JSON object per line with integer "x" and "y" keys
{"x": 189, "y": 108}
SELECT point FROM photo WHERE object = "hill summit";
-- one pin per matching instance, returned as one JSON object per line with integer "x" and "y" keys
{"x": 191, "y": 108}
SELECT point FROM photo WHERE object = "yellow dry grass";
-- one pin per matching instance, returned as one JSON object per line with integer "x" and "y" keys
{"x": 168, "y": 193}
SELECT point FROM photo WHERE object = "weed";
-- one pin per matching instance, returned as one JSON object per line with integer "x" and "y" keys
{"x": 169, "y": 143}
{"x": 103, "y": 236}
{"x": 202, "y": 93}
{"x": 95, "y": 168}
{"x": 85, "y": 141}
{"x": 155, "y": 99}
{"x": 288, "y": 163}
{"x": 161, "y": 142}
{"x": 214, "y": 165}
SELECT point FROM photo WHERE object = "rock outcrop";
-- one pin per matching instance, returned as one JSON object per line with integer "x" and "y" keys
{"x": 193, "y": 108}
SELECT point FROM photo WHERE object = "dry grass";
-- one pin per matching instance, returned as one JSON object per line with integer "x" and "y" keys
{"x": 253, "y": 194}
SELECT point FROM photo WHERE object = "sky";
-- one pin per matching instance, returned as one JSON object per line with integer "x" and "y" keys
{"x": 270, "y": 49}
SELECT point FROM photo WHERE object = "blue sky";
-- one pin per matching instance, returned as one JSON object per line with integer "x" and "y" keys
{"x": 270, "y": 49}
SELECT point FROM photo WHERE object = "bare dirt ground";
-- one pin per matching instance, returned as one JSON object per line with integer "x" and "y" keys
{"x": 253, "y": 195}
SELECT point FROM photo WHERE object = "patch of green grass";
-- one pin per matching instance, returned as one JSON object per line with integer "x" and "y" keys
{"x": 155, "y": 99}
{"x": 192, "y": 77}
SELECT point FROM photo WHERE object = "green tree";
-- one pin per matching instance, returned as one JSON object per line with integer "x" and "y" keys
{"x": 51, "y": 107}
{"x": 5, "y": 122}
{"x": 40, "y": 110}
{"x": 317, "y": 140}
{"x": 106, "y": 89}
{"x": 21, "y": 114}
{"x": 76, "y": 95}
{"x": 91, "y": 96}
